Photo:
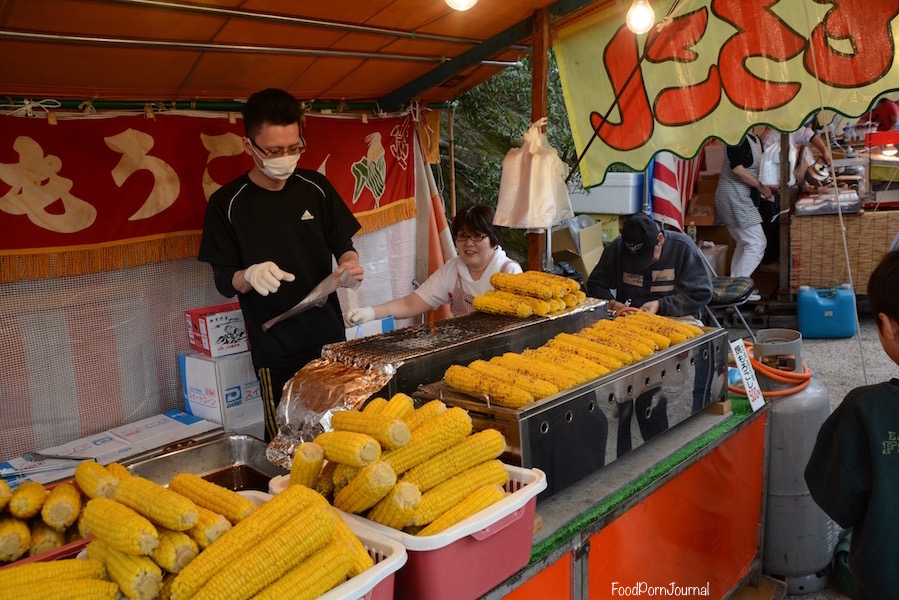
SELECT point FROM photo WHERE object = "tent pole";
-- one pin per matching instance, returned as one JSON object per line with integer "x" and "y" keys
{"x": 537, "y": 242}
{"x": 450, "y": 117}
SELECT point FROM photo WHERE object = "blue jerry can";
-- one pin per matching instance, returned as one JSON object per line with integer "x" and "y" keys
{"x": 826, "y": 313}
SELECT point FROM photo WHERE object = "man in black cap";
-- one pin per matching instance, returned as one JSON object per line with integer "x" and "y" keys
{"x": 658, "y": 271}
{"x": 661, "y": 272}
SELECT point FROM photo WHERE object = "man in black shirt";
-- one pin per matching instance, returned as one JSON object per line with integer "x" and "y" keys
{"x": 270, "y": 236}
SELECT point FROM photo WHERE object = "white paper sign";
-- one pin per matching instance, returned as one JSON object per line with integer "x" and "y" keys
{"x": 747, "y": 374}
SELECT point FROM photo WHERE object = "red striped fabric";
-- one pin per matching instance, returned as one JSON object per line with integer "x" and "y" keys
{"x": 673, "y": 182}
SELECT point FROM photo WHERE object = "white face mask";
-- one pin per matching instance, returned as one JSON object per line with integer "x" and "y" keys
{"x": 280, "y": 167}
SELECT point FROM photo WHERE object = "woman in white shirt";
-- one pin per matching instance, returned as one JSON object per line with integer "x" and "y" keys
{"x": 459, "y": 280}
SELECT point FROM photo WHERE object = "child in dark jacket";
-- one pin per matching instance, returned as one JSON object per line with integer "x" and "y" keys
{"x": 853, "y": 473}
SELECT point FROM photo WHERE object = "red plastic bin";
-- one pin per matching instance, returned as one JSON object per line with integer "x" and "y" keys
{"x": 475, "y": 555}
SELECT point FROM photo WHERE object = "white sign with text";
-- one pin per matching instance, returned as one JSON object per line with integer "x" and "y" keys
{"x": 747, "y": 374}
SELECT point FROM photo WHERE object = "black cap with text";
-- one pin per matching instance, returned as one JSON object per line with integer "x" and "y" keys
{"x": 639, "y": 237}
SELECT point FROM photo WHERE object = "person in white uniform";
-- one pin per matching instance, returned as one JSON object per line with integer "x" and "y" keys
{"x": 459, "y": 280}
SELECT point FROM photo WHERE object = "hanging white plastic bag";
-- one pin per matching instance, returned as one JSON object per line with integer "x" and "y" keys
{"x": 532, "y": 190}
{"x": 769, "y": 170}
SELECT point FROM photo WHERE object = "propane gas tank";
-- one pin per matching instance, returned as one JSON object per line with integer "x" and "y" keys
{"x": 799, "y": 537}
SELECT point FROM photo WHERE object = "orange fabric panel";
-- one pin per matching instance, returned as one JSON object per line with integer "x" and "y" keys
{"x": 699, "y": 529}
{"x": 552, "y": 582}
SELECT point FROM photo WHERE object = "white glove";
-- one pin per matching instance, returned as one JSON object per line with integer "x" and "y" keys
{"x": 358, "y": 316}
{"x": 266, "y": 277}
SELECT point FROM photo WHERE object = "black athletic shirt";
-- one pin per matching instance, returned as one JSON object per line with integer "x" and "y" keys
{"x": 299, "y": 228}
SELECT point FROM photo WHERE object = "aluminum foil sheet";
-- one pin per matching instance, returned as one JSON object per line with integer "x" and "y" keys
{"x": 314, "y": 393}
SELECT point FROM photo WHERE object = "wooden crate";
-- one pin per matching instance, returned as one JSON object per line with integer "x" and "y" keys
{"x": 818, "y": 257}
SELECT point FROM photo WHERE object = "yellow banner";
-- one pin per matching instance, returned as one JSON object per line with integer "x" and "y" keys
{"x": 716, "y": 68}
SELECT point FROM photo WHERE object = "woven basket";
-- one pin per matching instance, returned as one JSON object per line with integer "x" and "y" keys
{"x": 818, "y": 257}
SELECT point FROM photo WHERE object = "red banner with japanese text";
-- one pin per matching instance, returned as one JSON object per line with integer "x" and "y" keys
{"x": 104, "y": 192}
{"x": 716, "y": 68}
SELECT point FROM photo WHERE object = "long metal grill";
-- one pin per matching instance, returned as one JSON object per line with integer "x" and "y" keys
{"x": 421, "y": 353}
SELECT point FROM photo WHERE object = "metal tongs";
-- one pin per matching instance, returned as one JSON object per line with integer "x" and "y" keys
{"x": 317, "y": 297}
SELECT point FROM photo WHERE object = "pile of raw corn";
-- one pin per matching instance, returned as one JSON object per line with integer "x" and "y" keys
{"x": 515, "y": 380}
{"x": 194, "y": 539}
{"x": 420, "y": 470}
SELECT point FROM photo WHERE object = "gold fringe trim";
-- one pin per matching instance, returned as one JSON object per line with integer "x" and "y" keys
{"x": 45, "y": 263}
{"x": 379, "y": 218}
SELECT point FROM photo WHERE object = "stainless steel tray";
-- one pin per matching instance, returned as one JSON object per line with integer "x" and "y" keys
{"x": 235, "y": 461}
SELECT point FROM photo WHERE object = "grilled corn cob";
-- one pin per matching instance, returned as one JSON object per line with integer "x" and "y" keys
{"x": 324, "y": 570}
{"x": 365, "y": 490}
{"x": 137, "y": 576}
{"x": 349, "y": 448}
{"x": 537, "y": 388}
{"x": 424, "y": 412}
{"x": 15, "y": 538}
{"x": 27, "y": 500}
{"x": 596, "y": 347}
{"x": 44, "y": 538}
{"x": 501, "y": 306}
{"x": 520, "y": 285}
{"x": 620, "y": 340}
{"x": 94, "y": 480}
{"x": 474, "y": 503}
{"x": 441, "y": 498}
{"x": 119, "y": 526}
{"x": 537, "y": 306}
{"x": 432, "y": 437}
{"x": 624, "y": 327}
{"x": 468, "y": 380}
{"x": 266, "y": 562}
{"x": 390, "y": 432}
{"x": 675, "y": 330}
{"x": 472, "y": 451}
{"x": 164, "y": 507}
{"x": 609, "y": 362}
{"x": 175, "y": 550}
{"x": 307, "y": 464}
{"x": 396, "y": 508}
{"x": 575, "y": 367}
{"x": 209, "y": 495}
{"x": 249, "y": 533}
{"x": 566, "y": 285}
{"x": 62, "y": 506}
{"x": 568, "y": 360}
{"x": 557, "y": 376}
{"x": 209, "y": 527}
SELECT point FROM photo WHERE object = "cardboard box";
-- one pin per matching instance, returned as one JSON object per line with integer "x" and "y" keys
{"x": 582, "y": 253}
{"x": 701, "y": 210}
{"x": 611, "y": 226}
{"x": 217, "y": 330}
{"x": 371, "y": 328}
{"x": 223, "y": 390}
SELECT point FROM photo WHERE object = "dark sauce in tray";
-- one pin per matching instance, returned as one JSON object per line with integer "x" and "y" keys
{"x": 240, "y": 477}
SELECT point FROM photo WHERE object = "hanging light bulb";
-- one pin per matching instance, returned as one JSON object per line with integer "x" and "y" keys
{"x": 640, "y": 17}
{"x": 889, "y": 150}
{"x": 461, "y": 4}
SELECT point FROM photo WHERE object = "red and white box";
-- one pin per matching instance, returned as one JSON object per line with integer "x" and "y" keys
{"x": 217, "y": 330}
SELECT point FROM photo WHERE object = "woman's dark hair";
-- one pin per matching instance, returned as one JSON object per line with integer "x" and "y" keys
{"x": 272, "y": 106}
{"x": 882, "y": 287}
{"x": 476, "y": 219}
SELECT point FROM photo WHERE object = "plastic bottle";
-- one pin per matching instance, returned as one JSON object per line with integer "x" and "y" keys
{"x": 691, "y": 230}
